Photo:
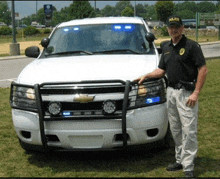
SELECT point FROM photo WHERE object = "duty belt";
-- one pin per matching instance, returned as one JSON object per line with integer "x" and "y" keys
{"x": 177, "y": 86}
{"x": 190, "y": 86}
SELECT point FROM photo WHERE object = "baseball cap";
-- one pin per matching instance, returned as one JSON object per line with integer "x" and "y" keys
{"x": 174, "y": 20}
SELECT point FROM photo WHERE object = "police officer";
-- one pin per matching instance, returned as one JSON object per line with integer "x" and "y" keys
{"x": 183, "y": 62}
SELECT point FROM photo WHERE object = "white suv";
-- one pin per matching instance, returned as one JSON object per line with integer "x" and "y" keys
{"x": 79, "y": 92}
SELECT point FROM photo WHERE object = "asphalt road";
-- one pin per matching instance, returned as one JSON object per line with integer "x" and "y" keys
{"x": 10, "y": 69}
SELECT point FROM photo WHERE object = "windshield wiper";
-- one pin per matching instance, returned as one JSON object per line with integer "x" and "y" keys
{"x": 71, "y": 52}
{"x": 118, "y": 50}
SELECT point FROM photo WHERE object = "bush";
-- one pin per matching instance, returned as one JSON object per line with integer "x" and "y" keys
{"x": 30, "y": 30}
{"x": 47, "y": 31}
{"x": 164, "y": 31}
{"x": 5, "y": 30}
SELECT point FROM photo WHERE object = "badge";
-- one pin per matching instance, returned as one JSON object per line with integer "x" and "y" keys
{"x": 182, "y": 51}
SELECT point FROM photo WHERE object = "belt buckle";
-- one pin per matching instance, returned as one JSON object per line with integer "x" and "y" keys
{"x": 179, "y": 86}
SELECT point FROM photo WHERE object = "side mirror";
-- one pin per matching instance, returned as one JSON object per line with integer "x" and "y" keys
{"x": 159, "y": 50}
{"x": 44, "y": 42}
{"x": 32, "y": 51}
{"x": 150, "y": 37}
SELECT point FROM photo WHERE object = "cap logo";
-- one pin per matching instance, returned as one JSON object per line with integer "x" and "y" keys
{"x": 174, "y": 19}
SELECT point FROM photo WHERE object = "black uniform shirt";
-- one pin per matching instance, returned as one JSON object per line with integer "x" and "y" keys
{"x": 181, "y": 62}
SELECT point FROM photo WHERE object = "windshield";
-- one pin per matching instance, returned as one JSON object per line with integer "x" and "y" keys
{"x": 99, "y": 39}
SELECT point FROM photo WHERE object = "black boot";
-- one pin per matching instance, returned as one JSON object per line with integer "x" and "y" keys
{"x": 174, "y": 167}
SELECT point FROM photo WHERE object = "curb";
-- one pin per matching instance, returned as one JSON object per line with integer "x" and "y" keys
{"x": 13, "y": 57}
{"x": 209, "y": 43}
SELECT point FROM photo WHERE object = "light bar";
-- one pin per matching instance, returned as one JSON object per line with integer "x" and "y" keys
{"x": 76, "y": 28}
{"x": 123, "y": 27}
{"x": 66, "y": 30}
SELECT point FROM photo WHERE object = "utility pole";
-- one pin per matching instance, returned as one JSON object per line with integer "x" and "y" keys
{"x": 134, "y": 8}
{"x": 36, "y": 10}
{"x": 13, "y": 22}
{"x": 14, "y": 46}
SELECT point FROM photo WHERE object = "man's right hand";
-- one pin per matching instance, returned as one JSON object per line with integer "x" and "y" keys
{"x": 140, "y": 79}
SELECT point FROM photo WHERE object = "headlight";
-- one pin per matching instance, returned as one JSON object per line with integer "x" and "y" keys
{"x": 150, "y": 93}
{"x": 30, "y": 93}
{"x": 142, "y": 90}
{"x": 24, "y": 98}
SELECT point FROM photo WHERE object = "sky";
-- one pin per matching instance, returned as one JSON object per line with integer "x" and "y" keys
{"x": 26, "y": 8}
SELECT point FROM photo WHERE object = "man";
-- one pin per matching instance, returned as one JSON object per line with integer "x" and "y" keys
{"x": 183, "y": 62}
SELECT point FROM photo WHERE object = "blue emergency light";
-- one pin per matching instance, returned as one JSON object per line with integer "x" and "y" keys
{"x": 123, "y": 27}
{"x": 66, "y": 113}
{"x": 153, "y": 100}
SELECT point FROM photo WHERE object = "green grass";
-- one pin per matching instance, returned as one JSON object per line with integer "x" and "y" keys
{"x": 9, "y": 39}
{"x": 15, "y": 162}
{"x": 22, "y": 38}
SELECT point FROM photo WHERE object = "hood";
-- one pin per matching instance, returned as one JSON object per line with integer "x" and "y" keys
{"x": 88, "y": 67}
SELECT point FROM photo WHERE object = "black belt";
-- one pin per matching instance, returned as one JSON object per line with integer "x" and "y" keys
{"x": 189, "y": 86}
{"x": 177, "y": 86}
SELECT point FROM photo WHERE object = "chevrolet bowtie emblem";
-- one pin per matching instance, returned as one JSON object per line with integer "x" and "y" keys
{"x": 83, "y": 98}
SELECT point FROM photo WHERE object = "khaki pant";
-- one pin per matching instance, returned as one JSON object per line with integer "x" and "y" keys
{"x": 183, "y": 126}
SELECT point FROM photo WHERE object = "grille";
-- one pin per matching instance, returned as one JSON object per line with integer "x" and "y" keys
{"x": 65, "y": 95}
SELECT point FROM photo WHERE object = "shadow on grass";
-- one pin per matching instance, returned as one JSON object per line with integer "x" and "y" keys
{"x": 104, "y": 161}
{"x": 138, "y": 161}
{"x": 206, "y": 165}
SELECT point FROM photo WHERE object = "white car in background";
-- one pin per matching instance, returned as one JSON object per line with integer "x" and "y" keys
{"x": 79, "y": 94}
{"x": 2, "y": 24}
{"x": 211, "y": 27}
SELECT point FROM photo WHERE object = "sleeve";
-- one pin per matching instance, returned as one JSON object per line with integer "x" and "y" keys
{"x": 162, "y": 63}
{"x": 197, "y": 55}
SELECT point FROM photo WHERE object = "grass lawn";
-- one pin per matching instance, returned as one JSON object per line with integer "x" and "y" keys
{"x": 15, "y": 162}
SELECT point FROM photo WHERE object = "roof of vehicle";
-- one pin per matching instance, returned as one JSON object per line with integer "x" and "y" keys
{"x": 102, "y": 20}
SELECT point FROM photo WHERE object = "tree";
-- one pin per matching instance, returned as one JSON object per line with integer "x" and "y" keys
{"x": 140, "y": 10}
{"x": 26, "y": 20}
{"x": 164, "y": 9}
{"x": 121, "y": 5}
{"x": 81, "y": 9}
{"x": 98, "y": 12}
{"x": 150, "y": 12}
{"x": 41, "y": 16}
{"x": 206, "y": 7}
{"x": 108, "y": 11}
{"x": 186, "y": 14}
{"x": 191, "y": 6}
{"x": 127, "y": 12}
{"x": 5, "y": 14}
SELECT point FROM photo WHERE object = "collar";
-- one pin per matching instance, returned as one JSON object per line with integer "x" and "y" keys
{"x": 183, "y": 39}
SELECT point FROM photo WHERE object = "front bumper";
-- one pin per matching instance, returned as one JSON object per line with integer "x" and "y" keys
{"x": 144, "y": 125}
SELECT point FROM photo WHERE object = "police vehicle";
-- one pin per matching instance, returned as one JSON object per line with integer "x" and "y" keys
{"x": 79, "y": 93}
